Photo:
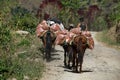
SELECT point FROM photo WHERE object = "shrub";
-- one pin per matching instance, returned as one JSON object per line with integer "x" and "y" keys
{"x": 5, "y": 36}
{"x": 24, "y": 42}
{"x": 23, "y": 19}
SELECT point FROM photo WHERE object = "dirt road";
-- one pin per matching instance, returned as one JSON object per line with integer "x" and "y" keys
{"x": 101, "y": 63}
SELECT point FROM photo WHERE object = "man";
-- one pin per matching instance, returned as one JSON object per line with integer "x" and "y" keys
{"x": 52, "y": 21}
{"x": 70, "y": 26}
{"x": 82, "y": 24}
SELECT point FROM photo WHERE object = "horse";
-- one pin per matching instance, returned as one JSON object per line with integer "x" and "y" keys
{"x": 79, "y": 46}
{"x": 61, "y": 40}
{"x": 67, "y": 54}
{"x": 48, "y": 39}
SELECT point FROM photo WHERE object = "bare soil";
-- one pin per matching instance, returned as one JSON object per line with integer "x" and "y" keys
{"x": 101, "y": 63}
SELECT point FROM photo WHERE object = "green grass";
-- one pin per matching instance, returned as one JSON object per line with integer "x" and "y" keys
{"x": 19, "y": 55}
{"x": 106, "y": 39}
{"x": 19, "y": 68}
{"x": 29, "y": 68}
{"x": 24, "y": 42}
{"x": 26, "y": 59}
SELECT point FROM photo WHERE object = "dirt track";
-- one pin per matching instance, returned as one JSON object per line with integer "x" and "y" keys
{"x": 101, "y": 63}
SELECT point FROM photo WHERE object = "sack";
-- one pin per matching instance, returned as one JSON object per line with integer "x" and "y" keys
{"x": 90, "y": 43}
{"x": 60, "y": 39}
{"x": 86, "y": 33}
{"x": 39, "y": 30}
{"x": 76, "y": 30}
{"x": 55, "y": 27}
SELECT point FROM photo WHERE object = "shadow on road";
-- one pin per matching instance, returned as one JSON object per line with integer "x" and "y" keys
{"x": 84, "y": 71}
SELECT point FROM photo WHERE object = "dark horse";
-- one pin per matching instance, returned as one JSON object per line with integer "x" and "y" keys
{"x": 48, "y": 40}
{"x": 68, "y": 53}
{"x": 79, "y": 47}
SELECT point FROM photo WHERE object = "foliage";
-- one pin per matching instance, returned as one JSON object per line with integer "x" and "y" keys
{"x": 69, "y": 12}
{"x": 23, "y": 19}
{"x": 115, "y": 15}
{"x": 105, "y": 38}
{"x": 99, "y": 24}
{"x": 19, "y": 67}
{"x": 5, "y": 36}
{"x": 24, "y": 42}
{"x": 74, "y": 4}
{"x": 14, "y": 17}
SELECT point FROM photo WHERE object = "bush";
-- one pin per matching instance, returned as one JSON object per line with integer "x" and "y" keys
{"x": 5, "y": 36}
{"x": 24, "y": 42}
{"x": 19, "y": 67}
{"x": 13, "y": 63}
{"x": 105, "y": 38}
{"x": 23, "y": 19}
{"x": 99, "y": 24}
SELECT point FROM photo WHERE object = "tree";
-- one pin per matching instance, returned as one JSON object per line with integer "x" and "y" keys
{"x": 69, "y": 13}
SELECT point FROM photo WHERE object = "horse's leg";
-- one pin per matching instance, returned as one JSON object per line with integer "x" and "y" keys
{"x": 53, "y": 43}
{"x": 46, "y": 56}
{"x": 81, "y": 61}
{"x": 76, "y": 67}
{"x": 73, "y": 60}
{"x": 49, "y": 53}
{"x": 80, "y": 57}
{"x": 65, "y": 55}
{"x": 65, "y": 58}
{"x": 70, "y": 56}
{"x": 53, "y": 47}
{"x": 69, "y": 63}
{"x": 69, "y": 59}
{"x": 81, "y": 66}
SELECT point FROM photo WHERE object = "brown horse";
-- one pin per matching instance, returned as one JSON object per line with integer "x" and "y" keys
{"x": 48, "y": 39}
{"x": 79, "y": 47}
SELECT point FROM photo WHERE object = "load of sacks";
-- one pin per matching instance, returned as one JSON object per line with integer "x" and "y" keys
{"x": 63, "y": 35}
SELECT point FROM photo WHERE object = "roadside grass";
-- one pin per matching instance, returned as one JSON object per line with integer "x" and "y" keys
{"x": 29, "y": 57}
{"x": 25, "y": 62}
{"x": 107, "y": 40}
{"x": 20, "y": 57}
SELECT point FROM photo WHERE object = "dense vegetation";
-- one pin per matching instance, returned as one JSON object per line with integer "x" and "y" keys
{"x": 18, "y": 53}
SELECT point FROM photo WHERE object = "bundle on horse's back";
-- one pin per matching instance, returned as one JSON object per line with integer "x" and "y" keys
{"x": 55, "y": 27}
{"x": 76, "y": 30}
{"x": 41, "y": 28}
{"x": 90, "y": 40}
{"x": 60, "y": 39}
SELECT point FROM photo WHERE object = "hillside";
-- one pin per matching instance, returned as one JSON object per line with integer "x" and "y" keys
{"x": 31, "y": 5}
{"x": 20, "y": 56}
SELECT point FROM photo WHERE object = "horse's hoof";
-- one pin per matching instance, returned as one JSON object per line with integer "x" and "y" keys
{"x": 69, "y": 67}
{"x": 65, "y": 64}
{"x": 73, "y": 69}
{"x": 80, "y": 71}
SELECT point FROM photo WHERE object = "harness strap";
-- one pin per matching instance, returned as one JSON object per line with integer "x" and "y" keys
{"x": 72, "y": 39}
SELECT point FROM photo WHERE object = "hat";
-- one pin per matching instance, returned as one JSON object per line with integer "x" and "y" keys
{"x": 81, "y": 19}
{"x": 71, "y": 25}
